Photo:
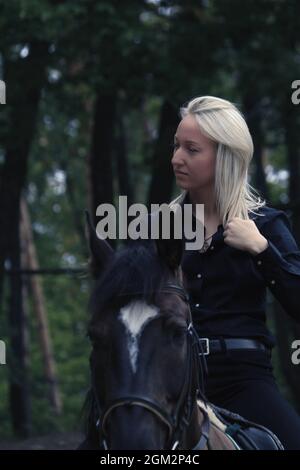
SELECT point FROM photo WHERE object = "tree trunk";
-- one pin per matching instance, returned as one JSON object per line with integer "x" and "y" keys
{"x": 25, "y": 78}
{"x": 162, "y": 173}
{"x": 125, "y": 188}
{"x": 100, "y": 174}
{"x": 18, "y": 373}
{"x": 254, "y": 118}
{"x": 41, "y": 314}
{"x": 292, "y": 141}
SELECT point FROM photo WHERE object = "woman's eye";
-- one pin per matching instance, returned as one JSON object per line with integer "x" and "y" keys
{"x": 191, "y": 150}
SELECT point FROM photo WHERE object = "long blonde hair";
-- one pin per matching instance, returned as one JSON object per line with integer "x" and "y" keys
{"x": 221, "y": 121}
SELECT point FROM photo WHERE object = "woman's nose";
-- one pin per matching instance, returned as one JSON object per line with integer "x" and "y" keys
{"x": 177, "y": 159}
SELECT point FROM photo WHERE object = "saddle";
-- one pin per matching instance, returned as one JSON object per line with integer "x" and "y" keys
{"x": 245, "y": 434}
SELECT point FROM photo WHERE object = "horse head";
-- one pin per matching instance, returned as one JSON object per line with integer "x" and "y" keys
{"x": 146, "y": 361}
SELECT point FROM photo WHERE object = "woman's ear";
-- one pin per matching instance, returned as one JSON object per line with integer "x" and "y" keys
{"x": 101, "y": 253}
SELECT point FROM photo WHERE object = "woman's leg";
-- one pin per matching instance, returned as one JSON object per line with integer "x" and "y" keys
{"x": 261, "y": 402}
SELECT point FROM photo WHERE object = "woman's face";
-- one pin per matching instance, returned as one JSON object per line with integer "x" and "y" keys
{"x": 194, "y": 156}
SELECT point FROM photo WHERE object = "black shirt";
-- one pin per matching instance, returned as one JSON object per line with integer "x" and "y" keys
{"x": 227, "y": 286}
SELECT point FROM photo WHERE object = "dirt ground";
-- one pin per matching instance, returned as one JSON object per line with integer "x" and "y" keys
{"x": 61, "y": 441}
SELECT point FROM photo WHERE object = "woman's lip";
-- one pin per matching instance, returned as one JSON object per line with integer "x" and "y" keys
{"x": 180, "y": 173}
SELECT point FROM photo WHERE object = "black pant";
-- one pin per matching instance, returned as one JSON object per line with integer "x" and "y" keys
{"x": 243, "y": 382}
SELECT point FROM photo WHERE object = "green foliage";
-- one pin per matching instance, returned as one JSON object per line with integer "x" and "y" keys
{"x": 144, "y": 52}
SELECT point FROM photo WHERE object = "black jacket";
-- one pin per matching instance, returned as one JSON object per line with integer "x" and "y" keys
{"x": 228, "y": 286}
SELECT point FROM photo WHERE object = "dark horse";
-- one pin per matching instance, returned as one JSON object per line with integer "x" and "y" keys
{"x": 147, "y": 364}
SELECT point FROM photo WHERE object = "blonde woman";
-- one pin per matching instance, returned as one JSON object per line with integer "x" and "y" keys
{"x": 248, "y": 247}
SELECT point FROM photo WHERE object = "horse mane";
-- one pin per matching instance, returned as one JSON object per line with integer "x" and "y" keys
{"x": 136, "y": 271}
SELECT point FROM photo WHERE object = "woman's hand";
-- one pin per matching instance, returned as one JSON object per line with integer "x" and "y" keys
{"x": 244, "y": 235}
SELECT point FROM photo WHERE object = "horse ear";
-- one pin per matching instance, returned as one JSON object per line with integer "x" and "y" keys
{"x": 100, "y": 251}
{"x": 171, "y": 250}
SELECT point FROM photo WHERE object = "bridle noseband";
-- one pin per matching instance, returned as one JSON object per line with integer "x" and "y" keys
{"x": 181, "y": 417}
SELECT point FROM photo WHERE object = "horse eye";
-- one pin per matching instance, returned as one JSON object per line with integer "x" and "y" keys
{"x": 178, "y": 334}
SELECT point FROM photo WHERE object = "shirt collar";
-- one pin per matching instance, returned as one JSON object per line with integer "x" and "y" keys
{"x": 218, "y": 235}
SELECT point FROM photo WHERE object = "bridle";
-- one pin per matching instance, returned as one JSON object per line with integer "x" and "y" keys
{"x": 179, "y": 420}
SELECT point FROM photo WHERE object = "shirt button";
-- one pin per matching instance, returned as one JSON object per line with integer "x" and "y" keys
{"x": 259, "y": 262}
{"x": 197, "y": 305}
{"x": 212, "y": 247}
{"x": 199, "y": 275}
{"x": 272, "y": 282}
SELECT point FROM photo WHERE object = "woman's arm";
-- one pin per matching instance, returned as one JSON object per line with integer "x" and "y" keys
{"x": 279, "y": 263}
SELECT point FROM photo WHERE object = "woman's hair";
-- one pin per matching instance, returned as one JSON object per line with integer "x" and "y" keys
{"x": 222, "y": 122}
